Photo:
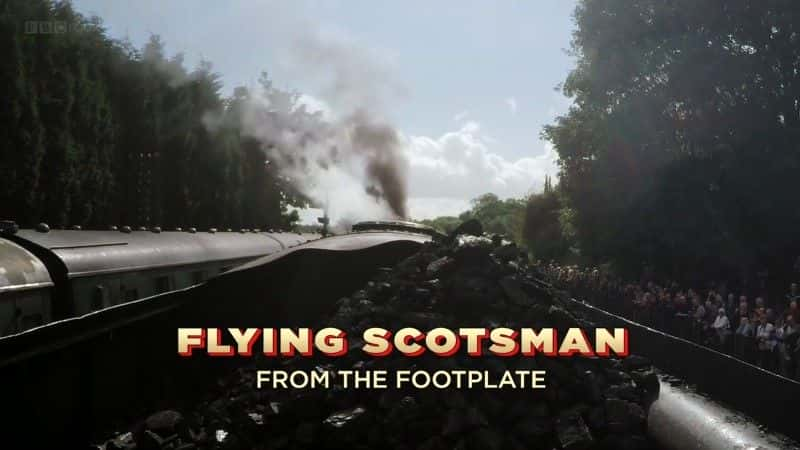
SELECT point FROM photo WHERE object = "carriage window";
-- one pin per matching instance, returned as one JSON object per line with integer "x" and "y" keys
{"x": 162, "y": 284}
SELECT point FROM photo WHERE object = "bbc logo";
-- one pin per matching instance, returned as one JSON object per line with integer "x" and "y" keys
{"x": 51, "y": 27}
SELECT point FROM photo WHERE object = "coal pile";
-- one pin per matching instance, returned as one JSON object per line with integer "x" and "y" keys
{"x": 465, "y": 281}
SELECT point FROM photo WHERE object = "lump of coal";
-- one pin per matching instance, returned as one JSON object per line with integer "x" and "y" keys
{"x": 573, "y": 434}
{"x": 342, "y": 418}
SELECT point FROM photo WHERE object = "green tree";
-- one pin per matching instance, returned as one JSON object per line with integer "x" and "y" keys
{"x": 547, "y": 229}
{"x": 503, "y": 217}
{"x": 444, "y": 224}
{"x": 98, "y": 132}
{"x": 681, "y": 144}
{"x": 22, "y": 136}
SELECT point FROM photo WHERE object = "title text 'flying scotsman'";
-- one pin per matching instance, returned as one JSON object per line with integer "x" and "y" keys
{"x": 379, "y": 342}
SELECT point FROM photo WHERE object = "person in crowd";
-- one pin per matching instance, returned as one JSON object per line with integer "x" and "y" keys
{"x": 743, "y": 337}
{"x": 682, "y": 304}
{"x": 745, "y": 327}
{"x": 743, "y": 309}
{"x": 712, "y": 294}
{"x": 706, "y": 333}
{"x": 793, "y": 295}
{"x": 743, "y": 300}
{"x": 785, "y": 337}
{"x": 730, "y": 305}
{"x": 765, "y": 341}
{"x": 699, "y": 317}
{"x": 713, "y": 315}
{"x": 772, "y": 317}
{"x": 698, "y": 310}
{"x": 719, "y": 300}
{"x": 683, "y": 312}
{"x": 711, "y": 312}
{"x": 792, "y": 309}
{"x": 759, "y": 306}
{"x": 722, "y": 327}
{"x": 668, "y": 312}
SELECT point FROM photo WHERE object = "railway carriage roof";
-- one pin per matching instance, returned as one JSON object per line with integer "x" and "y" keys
{"x": 87, "y": 253}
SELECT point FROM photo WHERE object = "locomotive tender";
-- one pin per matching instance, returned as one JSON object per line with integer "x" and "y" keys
{"x": 48, "y": 275}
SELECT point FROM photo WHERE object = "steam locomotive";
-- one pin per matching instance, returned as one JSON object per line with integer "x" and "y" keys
{"x": 48, "y": 275}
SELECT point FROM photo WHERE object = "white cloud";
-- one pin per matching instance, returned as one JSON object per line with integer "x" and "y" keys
{"x": 461, "y": 116}
{"x": 512, "y": 105}
{"x": 314, "y": 104}
{"x": 448, "y": 171}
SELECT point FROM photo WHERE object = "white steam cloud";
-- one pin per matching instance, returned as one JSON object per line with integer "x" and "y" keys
{"x": 347, "y": 158}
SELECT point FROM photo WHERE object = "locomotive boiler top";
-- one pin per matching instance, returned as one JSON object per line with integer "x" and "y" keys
{"x": 396, "y": 225}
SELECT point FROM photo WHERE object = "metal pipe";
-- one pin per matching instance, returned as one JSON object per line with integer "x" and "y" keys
{"x": 683, "y": 419}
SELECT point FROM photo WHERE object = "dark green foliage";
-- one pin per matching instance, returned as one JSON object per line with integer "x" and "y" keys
{"x": 503, "y": 217}
{"x": 547, "y": 226}
{"x": 445, "y": 224}
{"x": 95, "y": 132}
{"x": 681, "y": 151}
{"x": 540, "y": 222}
{"x": 497, "y": 216}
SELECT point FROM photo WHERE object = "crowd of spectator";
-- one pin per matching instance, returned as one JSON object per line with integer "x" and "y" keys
{"x": 751, "y": 329}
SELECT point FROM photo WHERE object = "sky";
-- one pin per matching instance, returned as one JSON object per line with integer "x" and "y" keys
{"x": 469, "y": 84}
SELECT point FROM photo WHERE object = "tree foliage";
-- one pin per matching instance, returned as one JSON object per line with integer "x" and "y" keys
{"x": 503, "y": 217}
{"x": 497, "y": 216}
{"x": 96, "y": 132}
{"x": 445, "y": 224}
{"x": 547, "y": 227}
{"x": 681, "y": 148}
